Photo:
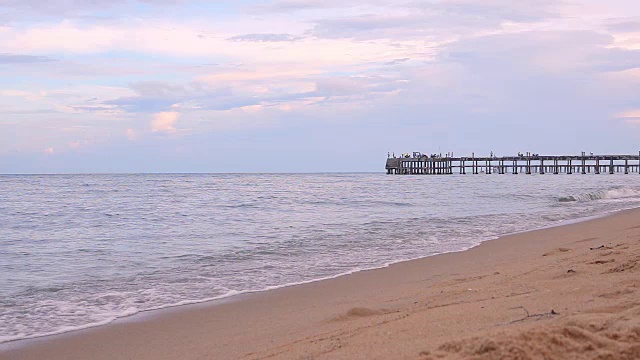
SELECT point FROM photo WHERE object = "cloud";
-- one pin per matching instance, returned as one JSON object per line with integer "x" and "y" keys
{"x": 264, "y": 38}
{"x": 103, "y": 109}
{"x": 68, "y": 8}
{"x": 494, "y": 10}
{"x": 550, "y": 51}
{"x": 428, "y": 19}
{"x": 614, "y": 59}
{"x": 136, "y": 40}
{"x": 131, "y": 134}
{"x": 50, "y": 150}
{"x": 23, "y": 59}
{"x": 74, "y": 144}
{"x": 265, "y": 89}
{"x": 369, "y": 26}
{"x": 280, "y": 6}
{"x": 630, "y": 114}
{"x": 164, "y": 122}
{"x": 631, "y": 118}
{"x": 159, "y": 89}
{"x": 625, "y": 27}
{"x": 397, "y": 61}
{"x": 360, "y": 86}
{"x": 154, "y": 96}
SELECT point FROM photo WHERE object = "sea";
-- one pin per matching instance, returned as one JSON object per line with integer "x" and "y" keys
{"x": 78, "y": 251}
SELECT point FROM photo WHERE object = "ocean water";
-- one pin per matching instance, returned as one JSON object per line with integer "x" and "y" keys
{"x": 82, "y": 250}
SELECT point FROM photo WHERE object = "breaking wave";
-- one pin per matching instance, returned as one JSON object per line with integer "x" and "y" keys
{"x": 616, "y": 193}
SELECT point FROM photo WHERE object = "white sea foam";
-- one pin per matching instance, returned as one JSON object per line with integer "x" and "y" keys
{"x": 615, "y": 193}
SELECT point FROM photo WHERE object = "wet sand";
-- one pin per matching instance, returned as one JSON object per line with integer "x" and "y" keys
{"x": 569, "y": 292}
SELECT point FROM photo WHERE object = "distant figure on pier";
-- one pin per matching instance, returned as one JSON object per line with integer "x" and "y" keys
{"x": 491, "y": 156}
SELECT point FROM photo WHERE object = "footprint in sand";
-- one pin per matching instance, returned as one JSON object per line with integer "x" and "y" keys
{"x": 616, "y": 294}
{"x": 362, "y": 311}
{"x": 556, "y": 251}
{"x": 586, "y": 240}
{"x": 600, "y": 262}
{"x": 359, "y": 312}
{"x": 627, "y": 266}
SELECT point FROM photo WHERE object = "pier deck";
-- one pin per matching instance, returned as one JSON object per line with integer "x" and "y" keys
{"x": 526, "y": 164}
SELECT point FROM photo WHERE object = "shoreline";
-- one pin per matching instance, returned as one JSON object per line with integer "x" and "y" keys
{"x": 149, "y": 313}
{"x": 161, "y": 317}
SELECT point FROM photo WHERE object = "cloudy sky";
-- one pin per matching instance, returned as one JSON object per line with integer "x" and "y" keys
{"x": 310, "y": 85}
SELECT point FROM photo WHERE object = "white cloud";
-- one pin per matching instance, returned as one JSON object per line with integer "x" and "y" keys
{"x": 630, "y": 114}
{"x": 16, "y": 93}
{"x": 50, "y": 150}
{"x": 131, "y": 134}
{"x": 182, "y": 39}
{"x": 164, "y": 122}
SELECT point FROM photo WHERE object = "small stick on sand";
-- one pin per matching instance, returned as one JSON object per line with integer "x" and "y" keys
{"x": 550, "y": 313}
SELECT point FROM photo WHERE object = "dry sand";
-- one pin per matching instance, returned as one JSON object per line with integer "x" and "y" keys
{"x": 570, "y": 292}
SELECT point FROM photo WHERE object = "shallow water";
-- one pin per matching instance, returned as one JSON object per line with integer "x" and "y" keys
{"x": 82, "y": 250}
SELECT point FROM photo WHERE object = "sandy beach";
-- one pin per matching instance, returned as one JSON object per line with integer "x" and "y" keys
{"x": 569, "y": 292}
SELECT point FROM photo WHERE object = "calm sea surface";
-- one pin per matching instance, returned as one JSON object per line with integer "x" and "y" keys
{"x": 82, "y": 250}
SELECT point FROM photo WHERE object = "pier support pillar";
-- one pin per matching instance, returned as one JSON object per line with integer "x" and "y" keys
{"x": 474, "y": 164}
{"x": 611, "y": 167}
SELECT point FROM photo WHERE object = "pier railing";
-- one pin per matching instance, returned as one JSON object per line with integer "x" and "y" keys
{"x": 526, "y": 164}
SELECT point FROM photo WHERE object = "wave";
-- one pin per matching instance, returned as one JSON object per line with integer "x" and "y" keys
{"x": 615, "y": 193}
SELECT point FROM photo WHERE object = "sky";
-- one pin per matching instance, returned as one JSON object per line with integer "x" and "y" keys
{"x": 102, "y": 86}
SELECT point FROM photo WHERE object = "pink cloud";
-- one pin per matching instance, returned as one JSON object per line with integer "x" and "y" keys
{"x": 164, "y": 122}
{"x": 631, "y": 114}
{"x": 131, "y": 134}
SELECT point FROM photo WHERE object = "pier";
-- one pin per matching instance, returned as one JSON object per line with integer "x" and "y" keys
{"x": 420, "y": 164}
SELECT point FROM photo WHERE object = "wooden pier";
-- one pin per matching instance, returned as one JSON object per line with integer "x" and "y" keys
{"x": 419, "y": 164}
